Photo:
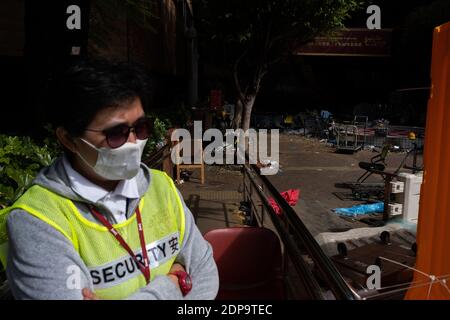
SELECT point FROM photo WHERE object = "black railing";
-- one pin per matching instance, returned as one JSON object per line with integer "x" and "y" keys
{"x": 317, "y": 277}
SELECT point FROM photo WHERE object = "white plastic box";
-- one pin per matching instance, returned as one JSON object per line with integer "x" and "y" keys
{"x": 411, "y": 195}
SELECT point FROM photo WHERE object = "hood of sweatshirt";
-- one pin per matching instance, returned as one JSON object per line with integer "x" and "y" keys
{"x": 55, "y": 179}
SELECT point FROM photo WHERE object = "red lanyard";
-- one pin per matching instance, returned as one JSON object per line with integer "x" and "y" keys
{"x": 145, "y": 268}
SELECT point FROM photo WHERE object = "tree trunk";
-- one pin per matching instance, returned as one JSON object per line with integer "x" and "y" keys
{"x": 237, "y": 120}
{"x": 245, "y": 97}
{"x": 247, "y": 112}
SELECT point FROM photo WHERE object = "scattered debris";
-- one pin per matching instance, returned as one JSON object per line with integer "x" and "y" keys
{"x": 185, "y": 175}
{"x": 300, "y": 131}
{"x": 244, "y": 213}
{"x": 268, "y": 167}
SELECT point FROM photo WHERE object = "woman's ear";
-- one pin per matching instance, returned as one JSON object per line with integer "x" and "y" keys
{"x": 65, "y": 139}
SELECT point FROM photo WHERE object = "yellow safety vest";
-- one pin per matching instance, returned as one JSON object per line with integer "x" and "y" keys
{"x": 114, "y": 273}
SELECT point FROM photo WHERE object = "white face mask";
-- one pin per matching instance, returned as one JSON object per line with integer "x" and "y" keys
{"x": 118, "y": 164}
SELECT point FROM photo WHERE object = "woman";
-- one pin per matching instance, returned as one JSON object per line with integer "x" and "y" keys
{"x": 97, "y": 223}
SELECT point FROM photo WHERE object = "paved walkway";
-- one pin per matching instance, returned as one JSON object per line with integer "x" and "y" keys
{"x": 215, "y": 203}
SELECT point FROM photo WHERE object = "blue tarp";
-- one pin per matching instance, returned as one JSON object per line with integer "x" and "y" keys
{"x": 360, "y": 209}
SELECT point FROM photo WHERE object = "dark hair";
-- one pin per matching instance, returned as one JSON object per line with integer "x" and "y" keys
{"x": 89, "y": 86}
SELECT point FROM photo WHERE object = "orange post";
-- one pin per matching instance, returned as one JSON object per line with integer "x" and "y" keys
{"x": 433, "y": 234}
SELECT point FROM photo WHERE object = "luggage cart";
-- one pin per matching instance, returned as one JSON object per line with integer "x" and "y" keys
{"x": 362, "y": 123}
{"x": 347, "y": 138}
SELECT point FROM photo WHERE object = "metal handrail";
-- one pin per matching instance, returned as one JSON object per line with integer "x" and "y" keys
{"x": 312, "y": 286}
{"x": 328, "y": 270}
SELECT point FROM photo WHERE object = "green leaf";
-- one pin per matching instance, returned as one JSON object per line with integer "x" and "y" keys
{"x": 20, "y": 160}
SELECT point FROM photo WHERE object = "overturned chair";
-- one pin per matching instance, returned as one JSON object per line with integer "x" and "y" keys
{"x": 376, "y": 164}
{"x": 364, "y": 191}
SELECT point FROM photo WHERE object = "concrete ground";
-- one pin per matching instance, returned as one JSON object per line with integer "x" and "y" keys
{"x": 306, "y": 164}
{"x": 214, "y": 204}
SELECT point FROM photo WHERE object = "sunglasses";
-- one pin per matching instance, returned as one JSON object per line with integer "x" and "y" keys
{"x": 118, "y": 135}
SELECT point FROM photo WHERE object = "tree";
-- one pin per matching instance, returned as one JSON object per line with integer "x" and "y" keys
{"x": 252, "y": 35}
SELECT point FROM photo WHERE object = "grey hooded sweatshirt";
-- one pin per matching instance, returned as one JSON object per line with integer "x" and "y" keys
{"x": 41, "y": 259}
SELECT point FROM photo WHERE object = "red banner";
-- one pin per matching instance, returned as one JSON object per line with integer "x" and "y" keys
{"x": 350, "y": 42}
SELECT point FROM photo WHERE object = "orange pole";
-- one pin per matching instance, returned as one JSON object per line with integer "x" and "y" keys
{"x": 433, "y": 234}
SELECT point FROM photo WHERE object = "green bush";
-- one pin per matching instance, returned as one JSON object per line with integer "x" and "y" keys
{"x": 20, "y": 160}
{"x": 157, "y": 138}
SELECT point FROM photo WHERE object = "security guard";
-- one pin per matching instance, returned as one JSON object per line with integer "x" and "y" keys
{"x": 97, "y": 223}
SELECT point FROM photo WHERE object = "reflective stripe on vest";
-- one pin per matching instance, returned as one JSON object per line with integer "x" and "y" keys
{"x": 114, "y": 273}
